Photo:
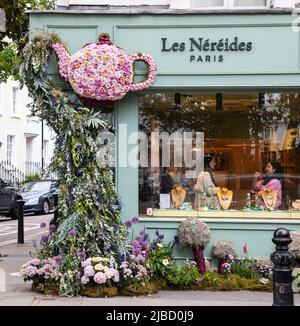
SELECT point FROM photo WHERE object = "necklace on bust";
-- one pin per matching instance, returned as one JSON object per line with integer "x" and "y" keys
{"x": 269, "y": 197}
{"x": 225, "y": 197}
{"x": 178, "y": 195}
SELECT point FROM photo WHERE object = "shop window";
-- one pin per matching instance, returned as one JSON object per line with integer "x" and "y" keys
{"x": 241, "y": 134}
{"x": 207, "y": 3}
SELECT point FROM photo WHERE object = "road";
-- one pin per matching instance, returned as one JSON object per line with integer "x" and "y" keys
{"x": 9, "y": 228}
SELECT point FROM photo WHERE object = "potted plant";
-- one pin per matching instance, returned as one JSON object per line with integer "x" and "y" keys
{"x": 196, "y": 234}
{"x": 98, "y": 278}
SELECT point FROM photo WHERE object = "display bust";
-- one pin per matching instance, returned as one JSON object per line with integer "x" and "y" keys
{"x": 225, "y": 197}
{"x": 178, "y": 195}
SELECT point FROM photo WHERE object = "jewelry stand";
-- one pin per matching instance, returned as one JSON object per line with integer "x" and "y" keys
{"x": 178, "y": 195}
{"x": 225, "y": 197}
{"x": 269, "y": 198}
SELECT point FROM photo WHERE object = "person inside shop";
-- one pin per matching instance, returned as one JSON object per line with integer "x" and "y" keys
{"x": 272, "y": 180}
{"x": 205, "y": 181}
{"x": 167, "y": 181}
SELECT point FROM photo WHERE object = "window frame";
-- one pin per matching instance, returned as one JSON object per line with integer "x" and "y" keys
{"x": 229, "y": 4}
{"x": 232, "y": 6}
{"x": 15, "y": 101}
{"x": 10, "y": 159}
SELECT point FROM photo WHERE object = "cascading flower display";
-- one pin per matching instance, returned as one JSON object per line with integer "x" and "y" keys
{"x": 102, "y": 71}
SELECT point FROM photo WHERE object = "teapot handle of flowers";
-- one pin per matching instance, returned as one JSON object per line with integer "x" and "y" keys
{"x": 151, "y": 72}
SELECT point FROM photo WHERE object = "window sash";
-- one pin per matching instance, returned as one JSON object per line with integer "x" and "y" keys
{"x": 10, "y": 148}
{"x": 230, "y": 4}
{"x": 14, "y": 99}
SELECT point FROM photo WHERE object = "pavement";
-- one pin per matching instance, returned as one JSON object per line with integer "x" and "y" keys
{"x": 14, "y": 292}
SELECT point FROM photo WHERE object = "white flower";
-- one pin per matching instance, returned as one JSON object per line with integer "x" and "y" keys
{"x": 295, "y": 272}
{"x": 99, "y": 267}
{"x": 165, "y": 262}
{"x": 159, "y": 245}
{"x": 264, "y": 280}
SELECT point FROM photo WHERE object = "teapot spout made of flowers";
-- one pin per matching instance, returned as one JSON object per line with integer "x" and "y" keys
{"x": 102, "y": 71}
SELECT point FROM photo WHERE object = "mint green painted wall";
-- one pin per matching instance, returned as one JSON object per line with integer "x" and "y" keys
{"x": 272, "y": 65}
{"x": 273, "y": 62}
{"x": 127, "y": 150}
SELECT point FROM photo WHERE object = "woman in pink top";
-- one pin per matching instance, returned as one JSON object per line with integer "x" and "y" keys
{"x": 272, "y": 180}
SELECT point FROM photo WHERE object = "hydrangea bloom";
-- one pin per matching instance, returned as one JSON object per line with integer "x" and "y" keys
{"x": 100, "y": 278}
{"x": 89, "y": 271}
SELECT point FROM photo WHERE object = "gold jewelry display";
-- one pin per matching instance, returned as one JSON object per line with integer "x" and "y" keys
{"x": 225, "y": 197}
{"x": 178, "y": 195}
{"x": 269, "y": 197}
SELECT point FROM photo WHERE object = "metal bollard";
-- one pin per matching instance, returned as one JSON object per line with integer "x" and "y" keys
{"x": 20, "y": 207}
{"x": 56, "y": 213}
{"x": 282, "y": 273}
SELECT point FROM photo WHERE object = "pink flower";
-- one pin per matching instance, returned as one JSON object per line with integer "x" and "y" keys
{"x": 35, "y": 261}
{"x": 100, "y": 278}
{"x": 245, "y": 248}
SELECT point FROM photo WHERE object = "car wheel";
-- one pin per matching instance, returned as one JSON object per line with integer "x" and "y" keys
{"x": 46, "y": 207}
{"x": 13, "y": 214}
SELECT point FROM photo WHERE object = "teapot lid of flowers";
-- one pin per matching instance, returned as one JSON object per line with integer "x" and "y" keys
{"x": 102, "y": 71}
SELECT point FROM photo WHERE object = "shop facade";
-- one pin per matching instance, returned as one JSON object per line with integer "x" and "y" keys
{"x": 232, "y": 79}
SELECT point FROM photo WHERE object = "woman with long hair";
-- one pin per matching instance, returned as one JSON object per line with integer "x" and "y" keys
{"x": 206, "y": 182}
{"x": 271, "y": 180}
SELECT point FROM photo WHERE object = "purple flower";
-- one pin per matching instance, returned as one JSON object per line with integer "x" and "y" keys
{"x": 135, "y": 220}
{"x": 84, "y": 279}
{"x": 142, "y": 232}
{"x": 128, "y": 223}
{"x": 58, "y": 259}
{"x": 72, "y": 233}
{"x": 160, "y": 236}
{"x": 34, "y": 243}
{"x": 52, "y": 228}
{"x": 44, "y": 239}
{"x": 154, "y": 245}
{"x": 135, "y": 244}
{"x": 82, "y": 255}
{"x": 42, "y": 225}
{"x": 89, "y": 271}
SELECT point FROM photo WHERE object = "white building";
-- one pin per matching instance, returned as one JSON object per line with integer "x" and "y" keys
{"x": 25, "y": 143}
{"x": 183, "y": 4}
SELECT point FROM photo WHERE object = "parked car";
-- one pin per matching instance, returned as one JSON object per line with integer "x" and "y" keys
{"x": 8, "y": 200}
{"x": 38, "y": 196}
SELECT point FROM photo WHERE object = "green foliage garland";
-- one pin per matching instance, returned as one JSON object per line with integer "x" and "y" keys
{"x": 88, "y": 202}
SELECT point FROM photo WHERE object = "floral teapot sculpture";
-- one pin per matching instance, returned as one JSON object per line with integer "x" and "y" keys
{"x": 102, "y": 71}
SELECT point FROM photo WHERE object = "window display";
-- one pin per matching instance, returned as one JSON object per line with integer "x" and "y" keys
{"x": 250, "y": 153}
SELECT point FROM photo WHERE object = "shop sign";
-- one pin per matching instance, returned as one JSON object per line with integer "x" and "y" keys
{"x": 206, "y": 50}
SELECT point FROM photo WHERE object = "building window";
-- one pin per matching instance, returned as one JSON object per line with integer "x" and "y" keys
{"x": 250, "y": 3}
{"x": 10, "y": 149}
{"x": 15, "y": 91}
{"x": 240, "y": 135}
{"x": 229, "y": 3}
{"x": 207, "y": 3}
